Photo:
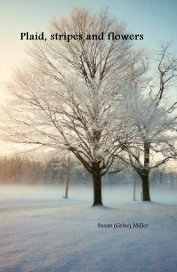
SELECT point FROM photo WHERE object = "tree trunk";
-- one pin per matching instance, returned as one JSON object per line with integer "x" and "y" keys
{"x": 145, "y": 187}
{"x": 67, "y": 177}
{"x": 134, "y": 189}
{"x": 145, "y": 175}
{"x": 97, "y": 193}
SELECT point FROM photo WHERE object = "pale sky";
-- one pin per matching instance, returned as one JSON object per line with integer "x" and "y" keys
{"x": 155, "y": 19}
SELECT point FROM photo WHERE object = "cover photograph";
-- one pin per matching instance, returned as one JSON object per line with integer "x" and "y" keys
{"x": 88, "y": 136}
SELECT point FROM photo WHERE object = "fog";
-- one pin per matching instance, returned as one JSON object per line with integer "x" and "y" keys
{"x": 15, "y": 195}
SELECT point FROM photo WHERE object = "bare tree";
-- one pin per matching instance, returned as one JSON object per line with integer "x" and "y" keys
{"x": 68, "y": 93}
{"x": 68, "y": 176}
{"x": 155, "y": 120}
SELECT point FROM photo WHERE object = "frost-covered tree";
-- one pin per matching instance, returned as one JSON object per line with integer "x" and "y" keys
{"x": 155, "y": 122}
{"x": 68, "y": 95}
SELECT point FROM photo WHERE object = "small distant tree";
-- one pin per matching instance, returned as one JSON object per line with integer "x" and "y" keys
{"x": 68, "y": 175}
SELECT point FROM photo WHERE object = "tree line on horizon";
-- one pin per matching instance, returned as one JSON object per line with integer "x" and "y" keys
{"x": 25, "y": 170}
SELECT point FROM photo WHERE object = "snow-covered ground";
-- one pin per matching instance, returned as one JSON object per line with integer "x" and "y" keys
{"x": 41, "y": 231}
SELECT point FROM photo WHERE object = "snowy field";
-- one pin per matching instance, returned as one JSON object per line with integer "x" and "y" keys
{"x": 41, "y": 231}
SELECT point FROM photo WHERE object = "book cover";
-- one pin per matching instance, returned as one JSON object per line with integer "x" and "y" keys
{"x": 88, "y": 133}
